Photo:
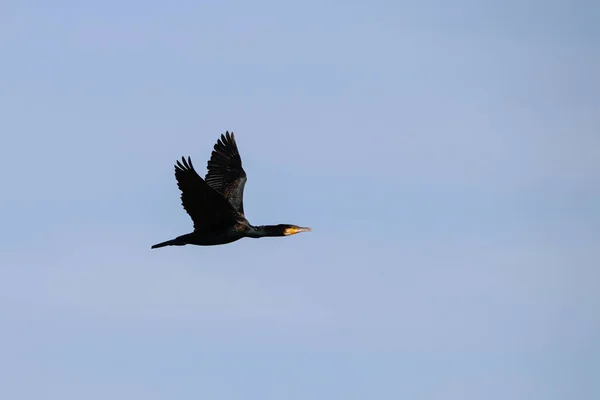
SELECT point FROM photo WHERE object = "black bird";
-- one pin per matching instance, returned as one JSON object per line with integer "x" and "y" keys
{"x": 215, "y": 203}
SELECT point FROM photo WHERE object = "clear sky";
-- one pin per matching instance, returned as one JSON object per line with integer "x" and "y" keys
{"x": 446, "y": 154}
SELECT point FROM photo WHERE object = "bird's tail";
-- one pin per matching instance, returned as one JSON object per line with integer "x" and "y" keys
{"x": 173, "y": 242}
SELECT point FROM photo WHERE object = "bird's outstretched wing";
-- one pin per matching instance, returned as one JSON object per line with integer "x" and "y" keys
{"x": 225, "y": 172}
{"x": 208, "y": 209}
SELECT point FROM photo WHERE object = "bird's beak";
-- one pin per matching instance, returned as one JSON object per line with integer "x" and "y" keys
{"x": 298, "y": 229}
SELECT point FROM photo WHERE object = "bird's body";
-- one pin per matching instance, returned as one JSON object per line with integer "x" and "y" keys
{"x": 215, "y": 203}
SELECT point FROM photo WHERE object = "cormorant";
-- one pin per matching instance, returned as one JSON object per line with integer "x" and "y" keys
{"x": 215, "y": 203}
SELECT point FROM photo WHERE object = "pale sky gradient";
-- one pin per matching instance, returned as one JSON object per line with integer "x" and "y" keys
{"x": 446, "y": 154}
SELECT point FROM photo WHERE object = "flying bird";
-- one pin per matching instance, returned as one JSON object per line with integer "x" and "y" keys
{"x": 216, "y": 203}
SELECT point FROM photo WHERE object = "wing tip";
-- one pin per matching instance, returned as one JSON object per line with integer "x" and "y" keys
{"x": 184, "y": 165}
{"x": 226, "y": 145}
{"x": 228, "y": 138}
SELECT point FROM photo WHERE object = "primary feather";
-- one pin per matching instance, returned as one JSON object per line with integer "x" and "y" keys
{"x": 225, "y": 172}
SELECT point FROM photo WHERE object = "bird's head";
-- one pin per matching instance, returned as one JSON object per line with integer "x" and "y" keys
{"x": 279, "y": 230}
{"x": 292, "y": 229}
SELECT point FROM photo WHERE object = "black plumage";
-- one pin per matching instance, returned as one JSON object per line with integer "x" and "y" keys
{"x": 215, "y": 204}
{"x": 225, "y": 172}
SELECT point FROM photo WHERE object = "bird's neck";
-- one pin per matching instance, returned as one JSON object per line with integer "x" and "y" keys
{"x": 265, "y": 230}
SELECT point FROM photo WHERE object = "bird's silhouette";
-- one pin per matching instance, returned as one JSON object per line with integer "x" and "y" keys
{"x": 216, "y": 203}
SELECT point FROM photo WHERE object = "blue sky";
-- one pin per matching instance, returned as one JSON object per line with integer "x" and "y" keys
{"x": 447, "y": 156}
